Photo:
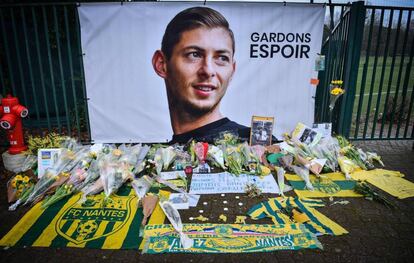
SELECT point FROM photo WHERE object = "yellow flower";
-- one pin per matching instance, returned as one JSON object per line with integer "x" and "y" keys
{"x": 18, "y": 177}
{"x": 265, "y": 170}
{"x": 337, "y": 91}
{"x": 26, "y": 179}
{"x": 117, "y": 152}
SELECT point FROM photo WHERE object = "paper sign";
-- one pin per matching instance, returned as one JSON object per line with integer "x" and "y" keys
{"x": 306, "y": 135}
{"x": 46, "y": 158}
{"x": 323, "y": 128}
{"x": 314, "y": 82}
{"x": 320, "y": 63}
{"x": 229, "y": 183}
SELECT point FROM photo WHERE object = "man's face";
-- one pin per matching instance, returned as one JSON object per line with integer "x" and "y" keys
{"x": 200, "y": 69}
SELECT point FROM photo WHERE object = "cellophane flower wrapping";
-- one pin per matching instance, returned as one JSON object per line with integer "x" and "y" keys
{"x": 216, "y": 156}
{"x": 140, "y": 163}
{"x": 335, "y": 92}
{"x": 327, "y": 148}
{"x": 115, "y": 172}
{"x": 18, "y": 185}
{"x": 93, "y": 184}
{"x": 233, "y": 159}
{"x": 182, "y": 159}
{"x": 281, "y": 179}
{"x": 68, "y": 158}
{"x": 352, "y": 153}
{"x": 113, "y": 176}
{"x": 347, "y": 166}
{"x": 175, "y": 219}
{"x": 374, "y": 157}
{"x": 158, "y": 161}
{"x": 303, "y": 172}
{"x": 72, "y": 184}
{"x": 167, "y": 155}
{"x": 142, "y": 185}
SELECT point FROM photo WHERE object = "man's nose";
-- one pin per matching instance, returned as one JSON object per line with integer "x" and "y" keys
{"x": 207, "y": 68}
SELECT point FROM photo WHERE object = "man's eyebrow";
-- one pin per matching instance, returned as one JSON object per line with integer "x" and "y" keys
{"x": 193, "y": 48}
{"x": 220, "y": 51}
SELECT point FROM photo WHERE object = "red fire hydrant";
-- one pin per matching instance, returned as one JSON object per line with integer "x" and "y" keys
{"x": 11, "y": 113}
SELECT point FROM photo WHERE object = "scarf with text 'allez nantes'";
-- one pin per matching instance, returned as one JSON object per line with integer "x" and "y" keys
{"x": 96, "y": 223}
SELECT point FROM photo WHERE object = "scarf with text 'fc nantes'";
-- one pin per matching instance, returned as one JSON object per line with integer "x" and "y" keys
{"x": 96, "y": 223}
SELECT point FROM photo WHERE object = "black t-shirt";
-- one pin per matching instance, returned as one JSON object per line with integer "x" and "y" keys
{"x": 210, "y": 132}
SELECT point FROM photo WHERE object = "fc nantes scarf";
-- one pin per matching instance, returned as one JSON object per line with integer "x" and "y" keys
{"x": 229, "y": 238}
{"x": 313, "y": 220}
{"x": 97, "y": 223}
{"x": 331, "y": 184}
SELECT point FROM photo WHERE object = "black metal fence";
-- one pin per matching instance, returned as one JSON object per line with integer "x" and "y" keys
{"x": 371, "y": 49}
{"x": 41, "y": 64}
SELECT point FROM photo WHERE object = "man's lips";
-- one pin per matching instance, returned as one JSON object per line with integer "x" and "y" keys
{"x": 205, "y": 87}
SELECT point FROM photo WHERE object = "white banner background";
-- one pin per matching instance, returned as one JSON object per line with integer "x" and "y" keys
{"x": 127, "y": 100}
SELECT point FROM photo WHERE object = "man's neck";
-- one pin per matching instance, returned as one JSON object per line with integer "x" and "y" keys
{"x": 184, "y": 122}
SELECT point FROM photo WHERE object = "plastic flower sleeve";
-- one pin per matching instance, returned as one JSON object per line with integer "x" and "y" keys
{"x": 281, "y": 179}
{"x": 216, "y": 156}
{"x": 92, "y": 189}
{"x": 113, "y": 176}
{"x": 347, "y": 166}
{"x": 158, "y": 161}
{"x": 304, "y": 174}
{"x": 374, "y": 157}
{"x": 175, "y": 220}
{"x": 27, "y": 164}
{"x": 42, "y": 186}
{"x": 167, "y": 155}
{"x": 142, "y": 185}
{"x": 92, "y": 174}
{"x": 140, "y": 163}
{"x": 79, "y": 172}
{"x": 258, "y": 152}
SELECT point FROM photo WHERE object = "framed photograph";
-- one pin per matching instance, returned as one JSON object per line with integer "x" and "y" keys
{"x": 261, "y": 131}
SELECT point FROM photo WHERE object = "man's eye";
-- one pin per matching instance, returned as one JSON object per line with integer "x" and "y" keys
{"x": 224, "y": 58}
{"x": 194, "y": 55}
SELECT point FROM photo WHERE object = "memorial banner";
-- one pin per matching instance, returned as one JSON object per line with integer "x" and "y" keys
{"x": 276, "y": 46}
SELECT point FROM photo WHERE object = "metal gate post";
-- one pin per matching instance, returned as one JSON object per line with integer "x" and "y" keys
{"x": 353, "y": 51}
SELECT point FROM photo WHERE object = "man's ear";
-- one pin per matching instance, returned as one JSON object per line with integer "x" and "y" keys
{"x": 159, "y": 63}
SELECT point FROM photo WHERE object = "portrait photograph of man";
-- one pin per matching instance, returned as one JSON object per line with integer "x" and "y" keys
{"x": 197, "y": 63}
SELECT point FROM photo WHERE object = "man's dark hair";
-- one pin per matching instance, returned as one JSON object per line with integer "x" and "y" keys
{"x": 190, "y": 19}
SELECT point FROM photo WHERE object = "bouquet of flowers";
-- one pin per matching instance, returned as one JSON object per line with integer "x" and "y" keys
{"x": 336, "y": 90}
{"x": 347, "y": 166}
{"x": 76, "y": 178}
{"x": 113, "y": 176}
{"x": 167, "y": 156}
{"x": 18, "y": 185}
{"x": 233, "y": 159}
{"x": 69, "y": 157}
{"x": 215, "y": 155}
